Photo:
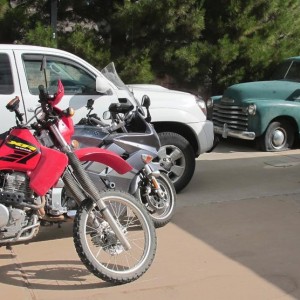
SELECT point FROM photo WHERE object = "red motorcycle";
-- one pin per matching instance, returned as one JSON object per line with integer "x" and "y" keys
{"x": 113, "y": 234}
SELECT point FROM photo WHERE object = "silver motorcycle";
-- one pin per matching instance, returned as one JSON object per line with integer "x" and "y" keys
{"x": 132, "y": 137}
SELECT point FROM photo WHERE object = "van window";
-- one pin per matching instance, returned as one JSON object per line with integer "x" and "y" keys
{"x": 6, "y": 80}
{"x": 75, "y": 79}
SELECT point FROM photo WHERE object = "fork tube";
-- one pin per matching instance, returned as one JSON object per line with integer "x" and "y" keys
{"x": 89, "y": 186}
{"x": 65, "y": 146}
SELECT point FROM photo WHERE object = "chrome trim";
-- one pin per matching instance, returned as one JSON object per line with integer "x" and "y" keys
{"x": 225, "y": 132}
{"x": 227, "y": 100}
{"x": 233, "y": 117}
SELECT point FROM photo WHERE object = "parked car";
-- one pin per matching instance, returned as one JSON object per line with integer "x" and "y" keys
{"x": 265, "y": 111}
{"x": 179, "y": 118}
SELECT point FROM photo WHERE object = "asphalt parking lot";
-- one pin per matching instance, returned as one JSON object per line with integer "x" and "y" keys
{"x": 235, "y": 235}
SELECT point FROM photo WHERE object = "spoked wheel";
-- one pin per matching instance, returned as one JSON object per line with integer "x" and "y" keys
{"x": 160, "y": 206}
{"x": 100, "y": 250}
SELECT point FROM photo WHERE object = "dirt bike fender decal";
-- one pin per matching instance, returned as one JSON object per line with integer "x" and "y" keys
{"x": 49, "y": 169}
{"x": 105, "y": 157}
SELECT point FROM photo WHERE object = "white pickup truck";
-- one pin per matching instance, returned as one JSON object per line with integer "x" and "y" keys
{"x": 179, "y": 118}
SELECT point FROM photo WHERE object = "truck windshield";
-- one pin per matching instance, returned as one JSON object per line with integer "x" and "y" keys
{"x": 287, "y": 70}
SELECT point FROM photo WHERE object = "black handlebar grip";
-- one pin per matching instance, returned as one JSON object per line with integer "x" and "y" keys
{"x": 42, "y": 94}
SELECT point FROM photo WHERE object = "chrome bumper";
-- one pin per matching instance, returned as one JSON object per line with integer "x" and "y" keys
{"x": 225, "y": 132}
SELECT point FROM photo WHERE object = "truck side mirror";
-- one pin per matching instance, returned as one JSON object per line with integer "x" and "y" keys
{"x": 102, "y": 86}
{"x": 90, "y": 104}
{"x": 146, "y": 101}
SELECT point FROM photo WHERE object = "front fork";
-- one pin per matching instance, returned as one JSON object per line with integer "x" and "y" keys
{"x": 91, "y": 189}
{"x": 88, "y": 185}
{"x": 152, "y": 175}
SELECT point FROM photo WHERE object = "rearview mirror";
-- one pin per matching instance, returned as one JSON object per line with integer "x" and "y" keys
{"x": 90, "y": 103}
{"x": 106, "y": 115}
{"x": 146, "y": 101}
{"x": 102, "y": 86}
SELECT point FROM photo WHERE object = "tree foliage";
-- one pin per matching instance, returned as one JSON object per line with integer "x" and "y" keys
{"x": 168, "y": 31}
{"x": 190, "y": 43}
{"x": 244, "y": 38}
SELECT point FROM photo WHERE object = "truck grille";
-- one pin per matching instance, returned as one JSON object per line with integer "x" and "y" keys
{"x": 235, "y": 117}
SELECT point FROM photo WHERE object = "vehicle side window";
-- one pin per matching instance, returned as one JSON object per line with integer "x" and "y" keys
{"x": 6, "y": 79}
{"x": 294, "y": 72}
{"x": 75, "y": 79}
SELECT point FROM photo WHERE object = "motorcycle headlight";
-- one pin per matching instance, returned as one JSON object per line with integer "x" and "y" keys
{"x": 252, "y": 109}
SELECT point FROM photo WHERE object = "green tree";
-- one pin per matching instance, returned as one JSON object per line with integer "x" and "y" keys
{"x": 29, "y": 23}
{"x": 41, "y": 35}
{"x": 165, "y": 33}
{"x": 244, "y": 38}
{"x": 193, "y": 42}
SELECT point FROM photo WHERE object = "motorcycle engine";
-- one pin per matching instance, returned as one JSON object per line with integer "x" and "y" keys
{"x": 15, "y": 195}
{"x": 14, "y": 188}
{"x": 12, "y": 220}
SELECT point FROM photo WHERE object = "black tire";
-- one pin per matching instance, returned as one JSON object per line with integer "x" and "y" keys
{"x": 279, "y": 136}
{"x": 177, "y": 157}
{"x": 161, "y": 209}
{"x": 100, "y": 250}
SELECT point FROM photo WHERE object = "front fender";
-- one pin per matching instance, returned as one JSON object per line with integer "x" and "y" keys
{"x": 105, "y": 157}
{"x": 267, "y": 111}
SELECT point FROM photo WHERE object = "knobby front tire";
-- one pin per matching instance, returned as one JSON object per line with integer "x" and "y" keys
{"x": 100, "y": 250}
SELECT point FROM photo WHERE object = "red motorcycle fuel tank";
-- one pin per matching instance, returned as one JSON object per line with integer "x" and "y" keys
{"x": 20, "y": 151}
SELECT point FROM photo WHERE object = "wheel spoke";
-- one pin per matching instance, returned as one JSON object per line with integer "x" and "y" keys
{"x": 162, "y": 152}
{"x": 176, "y": 154}
{"x": 177, "y": 170}
{"x": 100, "y": 249}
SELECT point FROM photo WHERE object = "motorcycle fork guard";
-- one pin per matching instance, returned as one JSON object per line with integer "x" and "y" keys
{"x": 92, "y": 190}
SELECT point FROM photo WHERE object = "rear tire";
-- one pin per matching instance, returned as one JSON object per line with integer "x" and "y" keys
{"x": 97, "y": 245}
{"x": 177, "y": 157}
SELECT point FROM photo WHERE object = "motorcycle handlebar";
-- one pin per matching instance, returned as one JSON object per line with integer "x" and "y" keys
{"x": 42, "y": 93}
{"x": 99, "y": 122}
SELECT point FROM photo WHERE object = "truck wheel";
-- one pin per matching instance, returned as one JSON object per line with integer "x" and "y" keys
{"x": 279, "y": 136}
{"x": 176, "y": 155}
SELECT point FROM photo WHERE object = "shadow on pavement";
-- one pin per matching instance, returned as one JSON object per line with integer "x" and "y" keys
{"x": 237, "y": 145}
{"x": 54, "y": 232}
{"x": 261, "y": 234}
{"x": 44, "y": 275}
{"x": 228, "y": 144}
{"x": 249, "y": 210}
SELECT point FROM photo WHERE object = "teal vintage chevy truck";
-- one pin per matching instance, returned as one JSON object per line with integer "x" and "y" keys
{"x": 265, "y": 111}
